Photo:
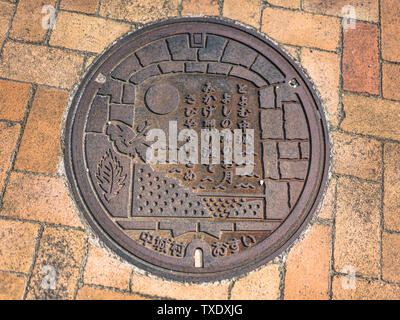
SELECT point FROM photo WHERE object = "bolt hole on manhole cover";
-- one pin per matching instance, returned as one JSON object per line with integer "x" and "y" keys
{"x": 196, "y": 150}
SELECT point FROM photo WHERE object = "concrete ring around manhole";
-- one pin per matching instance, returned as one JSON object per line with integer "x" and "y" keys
{"x": 196, "y": 149}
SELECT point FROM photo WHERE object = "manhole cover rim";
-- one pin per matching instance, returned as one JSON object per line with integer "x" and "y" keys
{"x": 148, "y": 265}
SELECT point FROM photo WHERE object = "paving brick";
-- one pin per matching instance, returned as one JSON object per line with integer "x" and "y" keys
{"x": 244, "y": 11}
{"x": 303, "y": 29}
{"x": 82, "y": 32}
{"x": 307, "y": 266}
{"x": 295, "y": 188}
{"x": 154, "y": 287}
{"x": 289, "y": 150}
{"x": 355, "y": 156}
{"x": 324, "y": 70}
{"x": 390, "y": 22}
{"x": 328, "y": 203}
{"x": 260, "y": 285}
{"x": 213, "y": 50}
{"x": 270, "y": 162}
{"x": 195, "y": 7}
{"x": 60, "y": 251}
{"x": 267, "y": 98}
{"x": 11, "y": 286}
{"x": 391, "y": 200}
{"x": 17, "y": 245}
{"x": 371, "y": 116}
{"x": 43, "y": 65}
{"x": 293, "y": 169}
{"x": 237, "y": 53}
{"x": 6, "y": 13}
{"x": 103, "y": 270}
{"x": 13, "y": 100}
{"x": 88, "y": 6}
{"x": 89, "y": 293}
{"x": 390, "y": 81}
{"x": 361, "y": 59}
{"x": 365, "y": 10}
{"x": 40, "y": 145}
{"x": 9, "y": 136}
{"x": 357, "y": 236}
{"x": 39, "y": 198}
{"x": 291, "y": 4}
{"x": 267, "y": 70}
{"x": 89, "y": 62}
{"x": 27, "y": 23}
{"x": 139, "y": 11}
{"x": 276, "y": 207}
{"x": 365, "y": 290}
{"x": 390, "y": 257}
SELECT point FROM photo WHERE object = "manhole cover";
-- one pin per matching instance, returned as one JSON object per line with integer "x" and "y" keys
{"x": 196, "y": 149}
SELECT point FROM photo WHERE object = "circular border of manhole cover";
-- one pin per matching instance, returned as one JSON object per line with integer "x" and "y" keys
{"x": 78, "y": 173}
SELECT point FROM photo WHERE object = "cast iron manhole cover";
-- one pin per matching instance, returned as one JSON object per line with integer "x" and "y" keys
{"x": 196, "y": 149}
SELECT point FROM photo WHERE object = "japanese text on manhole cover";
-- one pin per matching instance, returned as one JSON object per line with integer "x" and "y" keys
{"x": 196, "y": 149}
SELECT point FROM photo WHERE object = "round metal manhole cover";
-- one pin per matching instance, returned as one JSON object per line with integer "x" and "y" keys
{"x": 196, "y": 149}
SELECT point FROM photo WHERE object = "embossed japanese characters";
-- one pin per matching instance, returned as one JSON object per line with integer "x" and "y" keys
{"x": 196, "y": 74}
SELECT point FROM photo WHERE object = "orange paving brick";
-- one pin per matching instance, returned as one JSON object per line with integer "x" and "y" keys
{"x": 6, "y": 13}
{"x": 391, "y": 257}
{"x": 365, "y": 290}
{"x": 371, "y": 116}
{"x": 60, "y": 253}
{"x": 260, "y": 285}
{"x": 327, "y": 206}
{"x": 391, "y": 199}
{"x": 81, "y": 32}
{"x": 356, "y": 156}
{"x": 39, "y": 198}
{"x": 27, "y": 23}
{"x": 197, "y": 7}
{"x": 17, "y": 245}
{"x": 249, "y": 12}
{"x": 11, "y": 286}
{"x": 13, "y": 100}
{"x": 87, "y": 6}
{"x": 390, "y": 81}
{"x": 88, "y": 293}
{"x": 139, "y": 11}
{"x": 324, "y": 70}
{"x": 292, "y": 4}
{"x": 40, "y": 145}
{"x": 103, "y": 270}
{"x": 357, "y": 235}
{"x": 390, "y": 28}
{"x": 365, "y": 10}
{"x": 155, "y": 287}
{"x": 302, "y": 29}
{"x": 43, "y": 65}
{"x": 307, "y": 266}
{"x": 9, "y": 136}
{"x": 361, "y": 59}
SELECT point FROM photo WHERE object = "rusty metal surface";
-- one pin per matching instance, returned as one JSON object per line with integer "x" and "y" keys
{"x": 199, "y": 73}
